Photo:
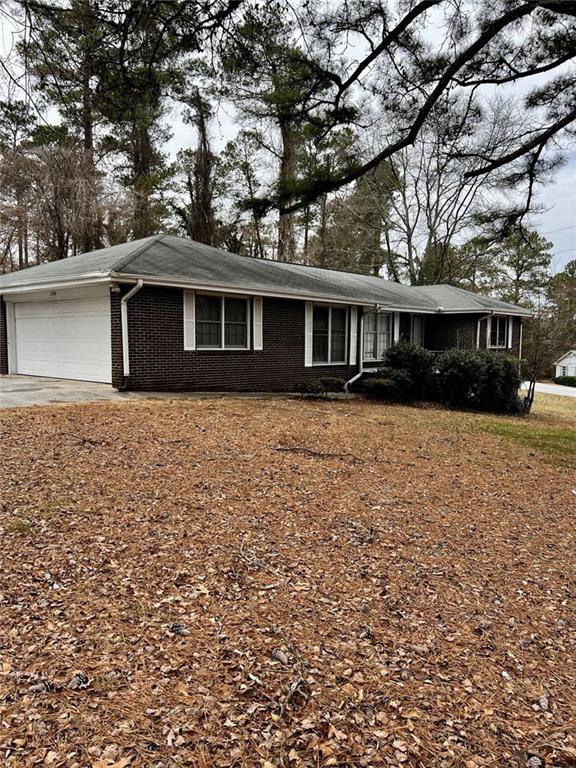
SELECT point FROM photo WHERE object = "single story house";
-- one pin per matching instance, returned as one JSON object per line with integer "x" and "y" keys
{"x": 166, "y": 313}
{"x": 566, "y": 365}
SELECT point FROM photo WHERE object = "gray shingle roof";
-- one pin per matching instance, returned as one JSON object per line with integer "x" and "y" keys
{"x": 452, "y": 299}
{"x": 177, "y": 259}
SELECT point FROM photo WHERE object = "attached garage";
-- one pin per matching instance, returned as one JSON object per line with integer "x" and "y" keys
{"x": 62, "y": 334}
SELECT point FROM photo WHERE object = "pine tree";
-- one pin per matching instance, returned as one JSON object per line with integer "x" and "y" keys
{"x": 523, "y": 261}
{"x": 63, "y": 55}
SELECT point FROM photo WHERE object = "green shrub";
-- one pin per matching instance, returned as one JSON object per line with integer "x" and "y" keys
{"x": 403, "y": 385}
{"x": 377, "y": 388}
{"x": 500, "y": 384}
{"x": 417, "y": 363}
{"x": 323, "y": 387}
{"x": 567, "y": 381}
{"x": 484, "y": 381}
{"x": 332, "y": 384}
{"x": 308, "y": 387}
{"x": 460, "y": 374}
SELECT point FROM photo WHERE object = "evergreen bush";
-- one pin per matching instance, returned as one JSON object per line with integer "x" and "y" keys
{"x": 567, "y": 381}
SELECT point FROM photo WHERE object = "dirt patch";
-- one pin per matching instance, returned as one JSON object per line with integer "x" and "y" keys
{"x": 281, "y": 583}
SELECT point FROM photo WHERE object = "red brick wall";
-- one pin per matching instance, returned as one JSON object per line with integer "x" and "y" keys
{"x": 3, "y": 339}
{"x": 158, "y": 359}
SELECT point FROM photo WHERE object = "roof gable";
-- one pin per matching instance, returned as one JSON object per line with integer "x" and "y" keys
{"x": 566, "y": 356}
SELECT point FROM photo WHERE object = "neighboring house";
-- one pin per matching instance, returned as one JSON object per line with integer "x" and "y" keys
{"x": 168, "y": 313}
{"x": 566, "y": 365}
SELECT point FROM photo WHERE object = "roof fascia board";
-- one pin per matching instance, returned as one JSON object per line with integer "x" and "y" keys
{"x": 63, "y": 282}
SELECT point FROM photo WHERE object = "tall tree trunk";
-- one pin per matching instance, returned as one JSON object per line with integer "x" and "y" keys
{"x": 258, "y": 237}
{"x": 205, "y": 221}
{"x": 286, "y": 233}
{"x": 91, "y": 236}
{"x": 323, "y": 226}
{"x": 142, "y": 159}
{"x": 20, "y": 249}
{"x": 90, "y": 232}
{"x": 306, "y": 232}
{"x": 20, "y": 232}
{"x": 26, "y": 255}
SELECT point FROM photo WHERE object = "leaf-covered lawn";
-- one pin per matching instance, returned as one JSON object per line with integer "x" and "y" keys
{"x": 282, "y": 583}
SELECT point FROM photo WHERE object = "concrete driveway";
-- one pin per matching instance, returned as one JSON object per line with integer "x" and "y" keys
{"x": 17, "y": 391}
{"x": 554, "y": 389}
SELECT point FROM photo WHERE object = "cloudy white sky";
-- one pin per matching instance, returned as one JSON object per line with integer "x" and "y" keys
{"x": 558, "y": 222}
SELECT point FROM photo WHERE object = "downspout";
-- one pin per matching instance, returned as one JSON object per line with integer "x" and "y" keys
{"x": 124, "y": 324}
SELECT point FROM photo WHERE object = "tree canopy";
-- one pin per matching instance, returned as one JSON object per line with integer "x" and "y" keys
{"x": 404, "y": 139}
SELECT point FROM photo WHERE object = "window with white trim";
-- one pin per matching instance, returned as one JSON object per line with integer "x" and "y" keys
{"x": 221, "y": 322}
{"x": 377, "y": 334}
{"x": 498, "y": 338}
{"x": 329, "y": 334}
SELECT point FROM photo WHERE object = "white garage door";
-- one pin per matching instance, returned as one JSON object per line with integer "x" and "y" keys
{"x": 66, "y": 339}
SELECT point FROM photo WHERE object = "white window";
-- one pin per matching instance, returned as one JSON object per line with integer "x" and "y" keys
{"x": 417, "y": 330}
{"x": 329, "y": 335}
{"x": 498, "y": 336}
{"x": 221, "y": 322}
{"x": 377, "y": 335}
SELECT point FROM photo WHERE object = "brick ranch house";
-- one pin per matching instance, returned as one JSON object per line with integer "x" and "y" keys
{"x": 165, "y": 313}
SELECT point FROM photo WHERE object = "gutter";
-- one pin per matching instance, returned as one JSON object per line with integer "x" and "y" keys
{"x": 124, "y": 324}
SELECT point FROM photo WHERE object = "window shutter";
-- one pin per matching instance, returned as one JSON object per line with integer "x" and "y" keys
{"x": 353, "y": 334}
{"x": 308, "y": 322}
{"x": 257, "y": 323}
{"x": 510, "y": 321}
{"x": 396, "y": 327}
{"x": 189, "y": 321}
